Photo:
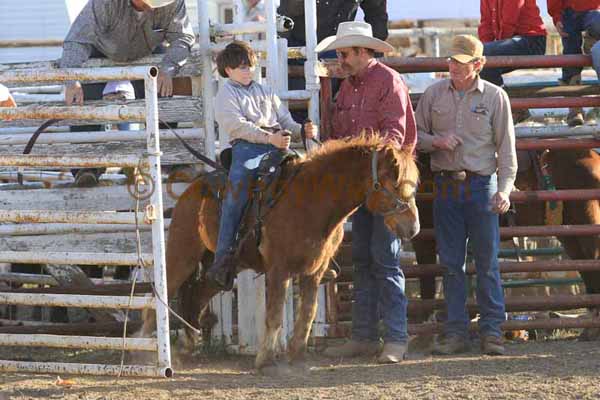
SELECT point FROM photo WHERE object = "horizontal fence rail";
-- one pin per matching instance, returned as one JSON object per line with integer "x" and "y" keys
{"x": 67, "y": 300}
{"x": 31, "y": 160}
{"x": 76, "y": 74}
{"x": 82, "y": 342}
{"x": 82, "y": 217}
{"x": 85, "y": 369}
{"x": 36, "y": 257}
{"x": 540, "y": 195}
{"x": 520, "y": 231}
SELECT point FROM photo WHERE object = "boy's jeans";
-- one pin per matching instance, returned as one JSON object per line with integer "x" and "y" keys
{"x": 462, "y": 212}
{"x": 378, "y": 280}
{"x": 574, "y": 23}
{"x": 237, "y": 193}
{"x": 515, "y": 46}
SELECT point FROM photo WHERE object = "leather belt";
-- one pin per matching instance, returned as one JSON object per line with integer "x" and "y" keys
{"x": 456, "y": 175}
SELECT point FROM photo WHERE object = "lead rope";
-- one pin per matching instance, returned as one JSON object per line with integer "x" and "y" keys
{"x": 141, "y": 265}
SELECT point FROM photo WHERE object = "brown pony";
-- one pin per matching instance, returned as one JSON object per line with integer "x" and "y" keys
{"x": 301, "y": 232}
{"x": 571, "y": 169}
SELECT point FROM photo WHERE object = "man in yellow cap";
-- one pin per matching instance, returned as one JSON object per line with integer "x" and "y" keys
{"x": 466, "y": 125}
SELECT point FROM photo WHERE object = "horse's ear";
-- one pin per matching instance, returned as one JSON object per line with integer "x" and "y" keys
{"x": 388, "y": 165}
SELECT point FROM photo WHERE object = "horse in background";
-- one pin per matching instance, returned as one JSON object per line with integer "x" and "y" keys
{"x": 300, "y": 234}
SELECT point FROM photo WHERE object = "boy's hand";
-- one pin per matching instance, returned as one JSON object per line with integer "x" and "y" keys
{"x": 310, "y": 130}
{"x": 280, "y": 139}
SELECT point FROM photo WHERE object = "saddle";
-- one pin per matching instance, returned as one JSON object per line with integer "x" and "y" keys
{"x": 266, "y": 190}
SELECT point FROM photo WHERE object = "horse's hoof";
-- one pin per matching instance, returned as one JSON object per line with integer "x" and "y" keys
{"x": 300, "y": 367}
{"x": 590, "y": 334}
{"x": 276, "y": 370}
{"x": 329, "y": 276}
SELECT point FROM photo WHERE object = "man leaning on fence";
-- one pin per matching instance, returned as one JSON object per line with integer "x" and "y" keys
{"x": 510, "y": 28}
{"x": 573, "y": 18}
{"x": 373, "y": 99}
{"x": 125, "y": 31}
{"x": 466, "y": 125}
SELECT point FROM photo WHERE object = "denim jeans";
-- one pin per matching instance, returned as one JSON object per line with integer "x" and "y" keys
{"x": 596, "y": 58}
{"x": 515, "y": 46}
{"x": 237, "y": 193}
{"x": 378, "y": 280}
{"x": 574, "y": 23}
{"x": 462, "y": 213}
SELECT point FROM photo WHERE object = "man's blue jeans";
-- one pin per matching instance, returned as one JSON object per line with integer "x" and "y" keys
{"x": 241, "y": 179}
{"x": 462, "y": 213}
{"x": 515, "y": 46}
{"x": 378, "y": 280}
{"x": 574, "y": 23}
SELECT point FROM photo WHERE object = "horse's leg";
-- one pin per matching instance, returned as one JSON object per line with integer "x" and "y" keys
{"x": 277, "y": 284}
{"x": 180, "y": 266}
{"x": 307, "y": 310}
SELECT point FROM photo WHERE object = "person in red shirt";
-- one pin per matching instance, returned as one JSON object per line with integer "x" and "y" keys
{"x": 374, "y": 98}
{"x": 510, "y": 28}
{"x": 572, "y": 18}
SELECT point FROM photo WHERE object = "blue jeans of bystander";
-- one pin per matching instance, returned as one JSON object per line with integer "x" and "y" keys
{"x": 462, "y": 213}
{"x": 575, "y": 22}
{"x": 378, "y": 280}
{"x": 515, "y": 46}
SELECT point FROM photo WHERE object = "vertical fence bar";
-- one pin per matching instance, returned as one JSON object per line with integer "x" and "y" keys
{"x": 207, "y": 79}
{"x": 158, "y": 228}
{"x": 272, "y": 71}
{"x": 312, "y": 80}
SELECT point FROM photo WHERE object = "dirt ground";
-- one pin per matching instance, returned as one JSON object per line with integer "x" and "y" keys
{"x": 552, "y": 369}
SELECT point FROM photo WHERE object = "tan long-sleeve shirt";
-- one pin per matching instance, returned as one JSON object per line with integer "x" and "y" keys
{"x": 481, "y": 118}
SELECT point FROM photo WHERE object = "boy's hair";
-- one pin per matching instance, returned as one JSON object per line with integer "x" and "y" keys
{"x": 236, "y": 54}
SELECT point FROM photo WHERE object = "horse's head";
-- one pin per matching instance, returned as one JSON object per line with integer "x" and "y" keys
{"x": 394, "y": 180}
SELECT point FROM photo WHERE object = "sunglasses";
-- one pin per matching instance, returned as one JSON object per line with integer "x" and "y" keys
{"x": 342, "y": 54}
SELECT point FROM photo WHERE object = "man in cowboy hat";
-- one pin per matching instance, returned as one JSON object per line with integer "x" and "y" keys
{"x": 373, "y": 99}
{"x": 466, "y": 124}
{"x": 125, "y": 30}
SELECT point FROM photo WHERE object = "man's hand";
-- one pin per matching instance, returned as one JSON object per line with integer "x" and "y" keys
{"x": 447, "y": 142}
{"x": 310, "y": 130}
{"x": 74, "y": 94}
{"x": 165, "y": 84}
{"x": 560, "y": 28}
{"x": 500, "y": 203}
{"x": 280, "y": 139}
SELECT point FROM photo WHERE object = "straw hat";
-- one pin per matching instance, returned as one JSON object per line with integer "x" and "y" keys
{"x": 354, "y": 34}
{"x": 158, "y": 3}
{"x": 466, "y": 48}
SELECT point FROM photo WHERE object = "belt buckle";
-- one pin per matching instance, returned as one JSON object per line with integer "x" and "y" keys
{"x": 459, "y": 175}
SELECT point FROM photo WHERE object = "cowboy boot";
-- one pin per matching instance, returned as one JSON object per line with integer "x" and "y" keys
{"x": 575, "y": 116}
{"x": 222, "y": 272}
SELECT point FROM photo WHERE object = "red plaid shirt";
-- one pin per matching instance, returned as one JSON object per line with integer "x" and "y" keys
{"x": 377, "y": 100}
{"x": 503, "y": 19}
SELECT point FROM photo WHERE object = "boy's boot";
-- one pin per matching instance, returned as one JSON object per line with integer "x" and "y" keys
{"x": 222, "y": 272}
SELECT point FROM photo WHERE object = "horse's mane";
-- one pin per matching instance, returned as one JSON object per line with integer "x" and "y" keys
{"x": 364, "y": 143}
